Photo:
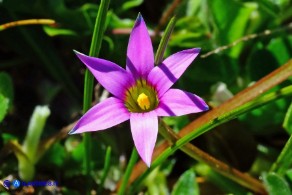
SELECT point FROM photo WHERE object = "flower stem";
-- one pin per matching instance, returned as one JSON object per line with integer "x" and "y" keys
{"x": 166, "y": 15}
{"x": 99, "y": 28}
{"x": 225, "y": 117}
{"x": 129, "y": 169}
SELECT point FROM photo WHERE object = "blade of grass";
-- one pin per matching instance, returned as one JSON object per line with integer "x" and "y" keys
{"x": 283, "y": 162}
{"x": 178, "y": 144}
{"x": 99, "y": 28}
{"x": 287, "y": 124}
{"x": 164, "y": 41}
{"x": 250, "y": 93}
{"x": 105, "y": 169}
{"x": 129, "y": 169}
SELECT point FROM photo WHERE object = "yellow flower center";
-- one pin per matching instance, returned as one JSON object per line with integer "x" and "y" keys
{"x": 141, "y": 97}
{"x": 143, "y": 101}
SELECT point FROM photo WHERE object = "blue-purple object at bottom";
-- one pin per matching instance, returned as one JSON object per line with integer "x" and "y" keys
{"x": 17, "y": 183}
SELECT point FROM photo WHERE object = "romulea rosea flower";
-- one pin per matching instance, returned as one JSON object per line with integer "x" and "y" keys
{"x": 141, "y": 93}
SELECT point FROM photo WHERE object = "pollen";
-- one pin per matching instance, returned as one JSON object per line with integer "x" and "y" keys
{"x": 143, "y": 101}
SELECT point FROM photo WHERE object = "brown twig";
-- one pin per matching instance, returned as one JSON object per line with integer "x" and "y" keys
{"x": 246, "y": 38}
{"x": 243, "y": 179}
{"x": 27, "y": 22}
{"x": 277, "y": 76}
{"x": 166, "y": 17}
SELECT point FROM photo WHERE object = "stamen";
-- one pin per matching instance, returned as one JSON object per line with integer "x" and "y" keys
{"x": 143, "y": 101}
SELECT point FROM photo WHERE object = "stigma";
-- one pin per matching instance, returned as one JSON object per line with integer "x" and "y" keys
{"x": 143, "y": 101}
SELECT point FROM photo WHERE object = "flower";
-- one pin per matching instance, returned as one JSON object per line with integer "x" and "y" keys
{"x": 141, "y": 93}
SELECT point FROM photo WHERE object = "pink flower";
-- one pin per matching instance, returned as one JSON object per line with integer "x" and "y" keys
{"x": 141, "y": 93}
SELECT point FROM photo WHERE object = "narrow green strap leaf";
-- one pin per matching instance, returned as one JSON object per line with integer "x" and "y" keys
{"x": 284, "y": 161}
{"x": 129, "y": 169}
{"x": 164, "y": 41}
{"x": 99, "y": 28}
{"x": 288, "y": 120}
{"x": 130, "y": 4}
{"x": 97, "y": 36}
{"x": 105, "y": 169}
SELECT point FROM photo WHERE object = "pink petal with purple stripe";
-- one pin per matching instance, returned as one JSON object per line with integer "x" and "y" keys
{"x": 106, "y": 114}
{"x": 176, "y": 102}
{"x": 140, "y": 57}
{"x": 169, "y": 71}
{"x": 144, "y": 127}
{"x": 111, "y": 76}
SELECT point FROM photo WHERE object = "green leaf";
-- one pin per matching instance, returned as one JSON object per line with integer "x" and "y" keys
{"x": 4, "y": 102}
{"x": 55, "y": 155}
{"x": 230, "y": 20}
{"x": 190, "y": 32}
{"x": 276, "y": 184}
{"x": 6, "y": 137}
{"x": 193, "y": 7}
{"x": 130, "y": 4}
{"x": 280, "y": 48}
{"x": 186, "y": 184}
{"x": 164, "y": 41}
{"x": 269, "y": 7}
{"x": 288, "y": 120}
{"x": 67, "y": 191}
{"x": 289, "y": 175}
{"x": 6, "y": 87}
{"x": 284, "y": 160}
{"x": 52, "y": 31}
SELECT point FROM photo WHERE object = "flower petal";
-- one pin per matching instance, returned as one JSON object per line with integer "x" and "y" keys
{"x": 176, "y": 102}
{"x": 144, "y": 127}
{"x": 111, "y": 76}
{"x": 167, "y": 73}
{"x": 105, "y": 114}
{"x": 140, "y": 57}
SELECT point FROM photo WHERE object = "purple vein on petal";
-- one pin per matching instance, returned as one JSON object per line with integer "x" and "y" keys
{"x": 140, "y": 57}
{"x": 105, "y": 114}
{"x": 169, "y": 71}
{"x": 111, "y": 76}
